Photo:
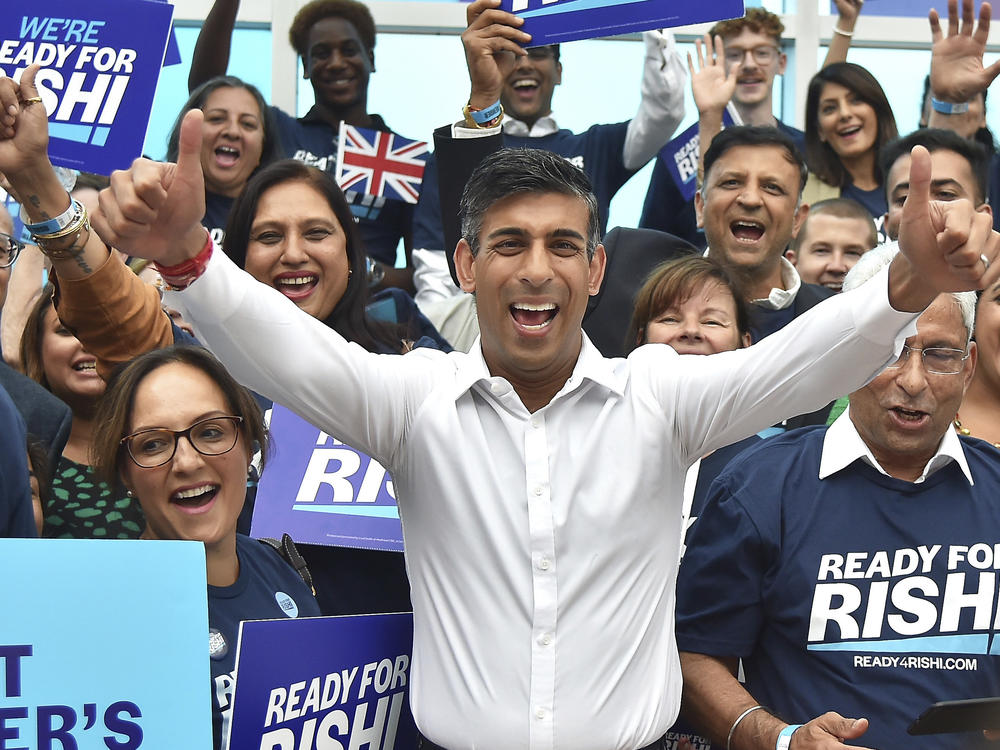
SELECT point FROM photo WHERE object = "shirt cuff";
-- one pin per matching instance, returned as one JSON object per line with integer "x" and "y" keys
{"x": 461, "y": 130}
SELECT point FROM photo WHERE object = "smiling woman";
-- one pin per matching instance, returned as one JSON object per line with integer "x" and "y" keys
{"x": 238, "y": 137}
{"x": 80, "y": 505}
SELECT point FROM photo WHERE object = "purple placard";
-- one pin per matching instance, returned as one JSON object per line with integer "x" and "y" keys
{"x": 557, "y": 21}
{"x": 321, "y": 491}
{"x": 324, "y": 682}
{"x": 102, "y": 60}
{"x": 681, "y": 157}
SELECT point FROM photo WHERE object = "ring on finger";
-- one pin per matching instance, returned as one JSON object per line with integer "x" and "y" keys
{"x": 986, "y": 262}
{"x": 32, "y": 100}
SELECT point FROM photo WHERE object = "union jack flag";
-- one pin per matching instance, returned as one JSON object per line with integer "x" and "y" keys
{"x": 379, "y": 163}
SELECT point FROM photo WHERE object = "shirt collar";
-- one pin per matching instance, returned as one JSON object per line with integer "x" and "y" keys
{"x": 591, "y": 365}
{"x": 842, "y": 446}
{"x": 778, "y": 299}
{"x": 543, "y": 126}
{"x": 315, "y": 115}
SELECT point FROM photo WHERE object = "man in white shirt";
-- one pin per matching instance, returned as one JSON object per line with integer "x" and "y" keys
{"x": 842, "y": 549}
{"x": 540, "y": 484}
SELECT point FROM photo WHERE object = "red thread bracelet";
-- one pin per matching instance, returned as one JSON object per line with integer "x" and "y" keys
{"x": 183, "y": 274}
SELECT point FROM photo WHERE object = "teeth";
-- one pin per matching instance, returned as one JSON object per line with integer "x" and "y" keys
{"x": 539, "y": 326}
{"x": 534, "y": 308}
{"x": 523, "y": 84}
{"x": 750, "y": 224}
{"x": 85, "y": 366}
{"x": 296, "y": 281}
{"x": 194, "y": 492}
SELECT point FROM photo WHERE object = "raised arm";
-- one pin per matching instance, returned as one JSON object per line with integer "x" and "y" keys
{"x": 713, "y": 87}
{"x": 114, "y": 313}
{"x": 957, "y": 72}
{"x": 661, "y": 107}
{"x": 847, "y": 16}
{"x": 211, "y": 51}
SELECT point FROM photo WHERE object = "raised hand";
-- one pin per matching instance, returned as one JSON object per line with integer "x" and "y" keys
{"x": 24, "y": 130}
{"x": 492, "y": 45}
{"x": 957, "y": 72}
{"x": 153, "y": 210}
{"x": 949, "y": 246}
{"x": 848, "y": 10}
{"x": 712, "y": 85}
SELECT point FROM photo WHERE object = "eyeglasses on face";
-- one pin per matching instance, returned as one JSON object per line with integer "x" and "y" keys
{"x": 936, "y": 360}
{"x": 762, "y": 55}
{"x": 210, "y": 437}
{"x": 10, "y": 248}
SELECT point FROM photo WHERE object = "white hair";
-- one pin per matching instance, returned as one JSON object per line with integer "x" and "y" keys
{"x": 878, "y": 258}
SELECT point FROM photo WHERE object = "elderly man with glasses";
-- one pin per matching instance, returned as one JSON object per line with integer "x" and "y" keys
{"x": 845, "y": 565}
{"x": 10, "y": 248}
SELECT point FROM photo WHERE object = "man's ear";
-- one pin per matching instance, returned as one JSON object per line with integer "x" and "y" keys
{"x": 970, "y": 366}
{"x": 800, "y": 216}
{"x": 598, "y": 264}
{"x": 371, "y": 58}
{"x": 790, "y": 254}
{"x": 305, "y": 67}
{"x": 699, "y": 209}
{"x": 465, "y": 266}
{"x": 985, "y": 208}
{"x": 782, "y": 63}
{"x": 558, "y": 73}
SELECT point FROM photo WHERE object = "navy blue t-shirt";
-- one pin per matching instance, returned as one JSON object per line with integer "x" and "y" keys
{"x": 861, "y": 593}
{"x": 16, "y": 515}
{"x": 382, "y": 222}
{"x": 665, "y": 208}
{"x": 597, "y": 151}
{"x": 268, "y": 588}
{"x": 217, "y": 208}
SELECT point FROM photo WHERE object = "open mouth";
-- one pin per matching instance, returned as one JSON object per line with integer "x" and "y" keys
{"x": 195, "y": 499}
{"x": 909, "y": 417}
{"x": 525, "y": 88}
{"x": 89, "y": 365}
{"x": 849, "y": 132}
{"x": 227, "y": 156}
{"x": 533, "y": 317}
{"x": 747, "y": 231}
{"x": 296, "y": 285}
{"x": 834, "y": 285}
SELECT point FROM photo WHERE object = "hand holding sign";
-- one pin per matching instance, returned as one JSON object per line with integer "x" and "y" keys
{"x": 24, "y": 134}
{"x": 944, "y": 246}
{"x": 492, "y": 45}
{"x": 153, "y": 210}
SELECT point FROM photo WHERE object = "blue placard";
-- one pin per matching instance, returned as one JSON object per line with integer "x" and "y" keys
{"x": 321, "y": 491}
{"x": 681, "y": 157}
{"x": 103, "y": 644}
{"x": 324, "y": 682}
{"x": 557, "y": 21}
{"x": 101, "y": 59}
{"x": 908, "y": 8}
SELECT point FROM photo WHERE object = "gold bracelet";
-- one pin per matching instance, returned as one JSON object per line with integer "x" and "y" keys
{"x": 470, "y": 122}
{"x": 71, "y": 251}
{"x": 81, "y": 219}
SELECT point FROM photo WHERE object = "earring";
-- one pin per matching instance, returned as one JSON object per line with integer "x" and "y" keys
{"x": 129, "y": 493}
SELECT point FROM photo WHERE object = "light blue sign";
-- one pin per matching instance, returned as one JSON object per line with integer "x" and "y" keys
{"x": 103, "y": 644}
{"x": 909, "y": 8}
{"x": 557, "y": 21}
{"x": 324, "y": 682}
{"x": 101, "y": 60}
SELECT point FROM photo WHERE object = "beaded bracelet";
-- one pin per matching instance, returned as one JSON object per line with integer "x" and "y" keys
{"x": 181, "y": 276}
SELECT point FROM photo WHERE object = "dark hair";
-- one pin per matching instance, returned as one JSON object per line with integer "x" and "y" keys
{"x": 31, "y": 339}
{"x": 513, "y": 171}
{"x": 755, "y": 135}
{"x": 38, "y": 464}
{"x": 820, "y": 156}
{"x": 935, "y": 139}
{"x": 758, "y": 20}
{"x": 672, "y": 283}
{"x": 269, "y": 148}
{"x": 841, "y": 208}
{"x": 111, "y": 422}
{"x": 983, "y": 136}
{"x": 355, "y": 13}
{"x": 348, "y": 318}
{"x": 91, "y": 180}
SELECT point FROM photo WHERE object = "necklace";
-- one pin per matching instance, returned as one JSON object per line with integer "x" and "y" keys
{"x": 965, "y": 431}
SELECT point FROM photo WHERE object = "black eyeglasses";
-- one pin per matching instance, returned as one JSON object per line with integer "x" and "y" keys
{"x": 937, "y": 360}
{"x": 210, "y": 437}
{"x": 9, "y": 250}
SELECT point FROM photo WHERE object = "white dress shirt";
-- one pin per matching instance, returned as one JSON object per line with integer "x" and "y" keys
{"x": 542, "y": 548}
{"x": 842, "y": 446}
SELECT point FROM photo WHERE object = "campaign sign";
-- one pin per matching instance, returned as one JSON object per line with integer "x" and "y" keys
{"x": 909, "y": 8}
{"x": 103, "y": 644}
{"x": 324, "y": 682}
{"x": 101, "y": 60}
{"x": 556, "y": 21}
{"x": 681, "y": 157}
{"x": 321, "y": 491}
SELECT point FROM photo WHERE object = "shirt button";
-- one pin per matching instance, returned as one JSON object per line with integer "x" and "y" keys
{"x": 497, "y": 388}
{"x": 544, "y": 563}
{"x": 538, "y": 491}
{"x": 539, "y": 713}
{"x": 545, "y": 640}
{"x": 536, "y": 422}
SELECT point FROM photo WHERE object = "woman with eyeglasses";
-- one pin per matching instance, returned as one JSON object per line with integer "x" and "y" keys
{"x": 81, "y": 506}
{"x": 186, "y": 461}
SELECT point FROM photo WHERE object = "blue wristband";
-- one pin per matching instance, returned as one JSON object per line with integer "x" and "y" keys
{"x": 949, "y": 108}
{"x": 56, "y": 223}
{"x": 785, "y": 737}
{"x": 483, "y": 116}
